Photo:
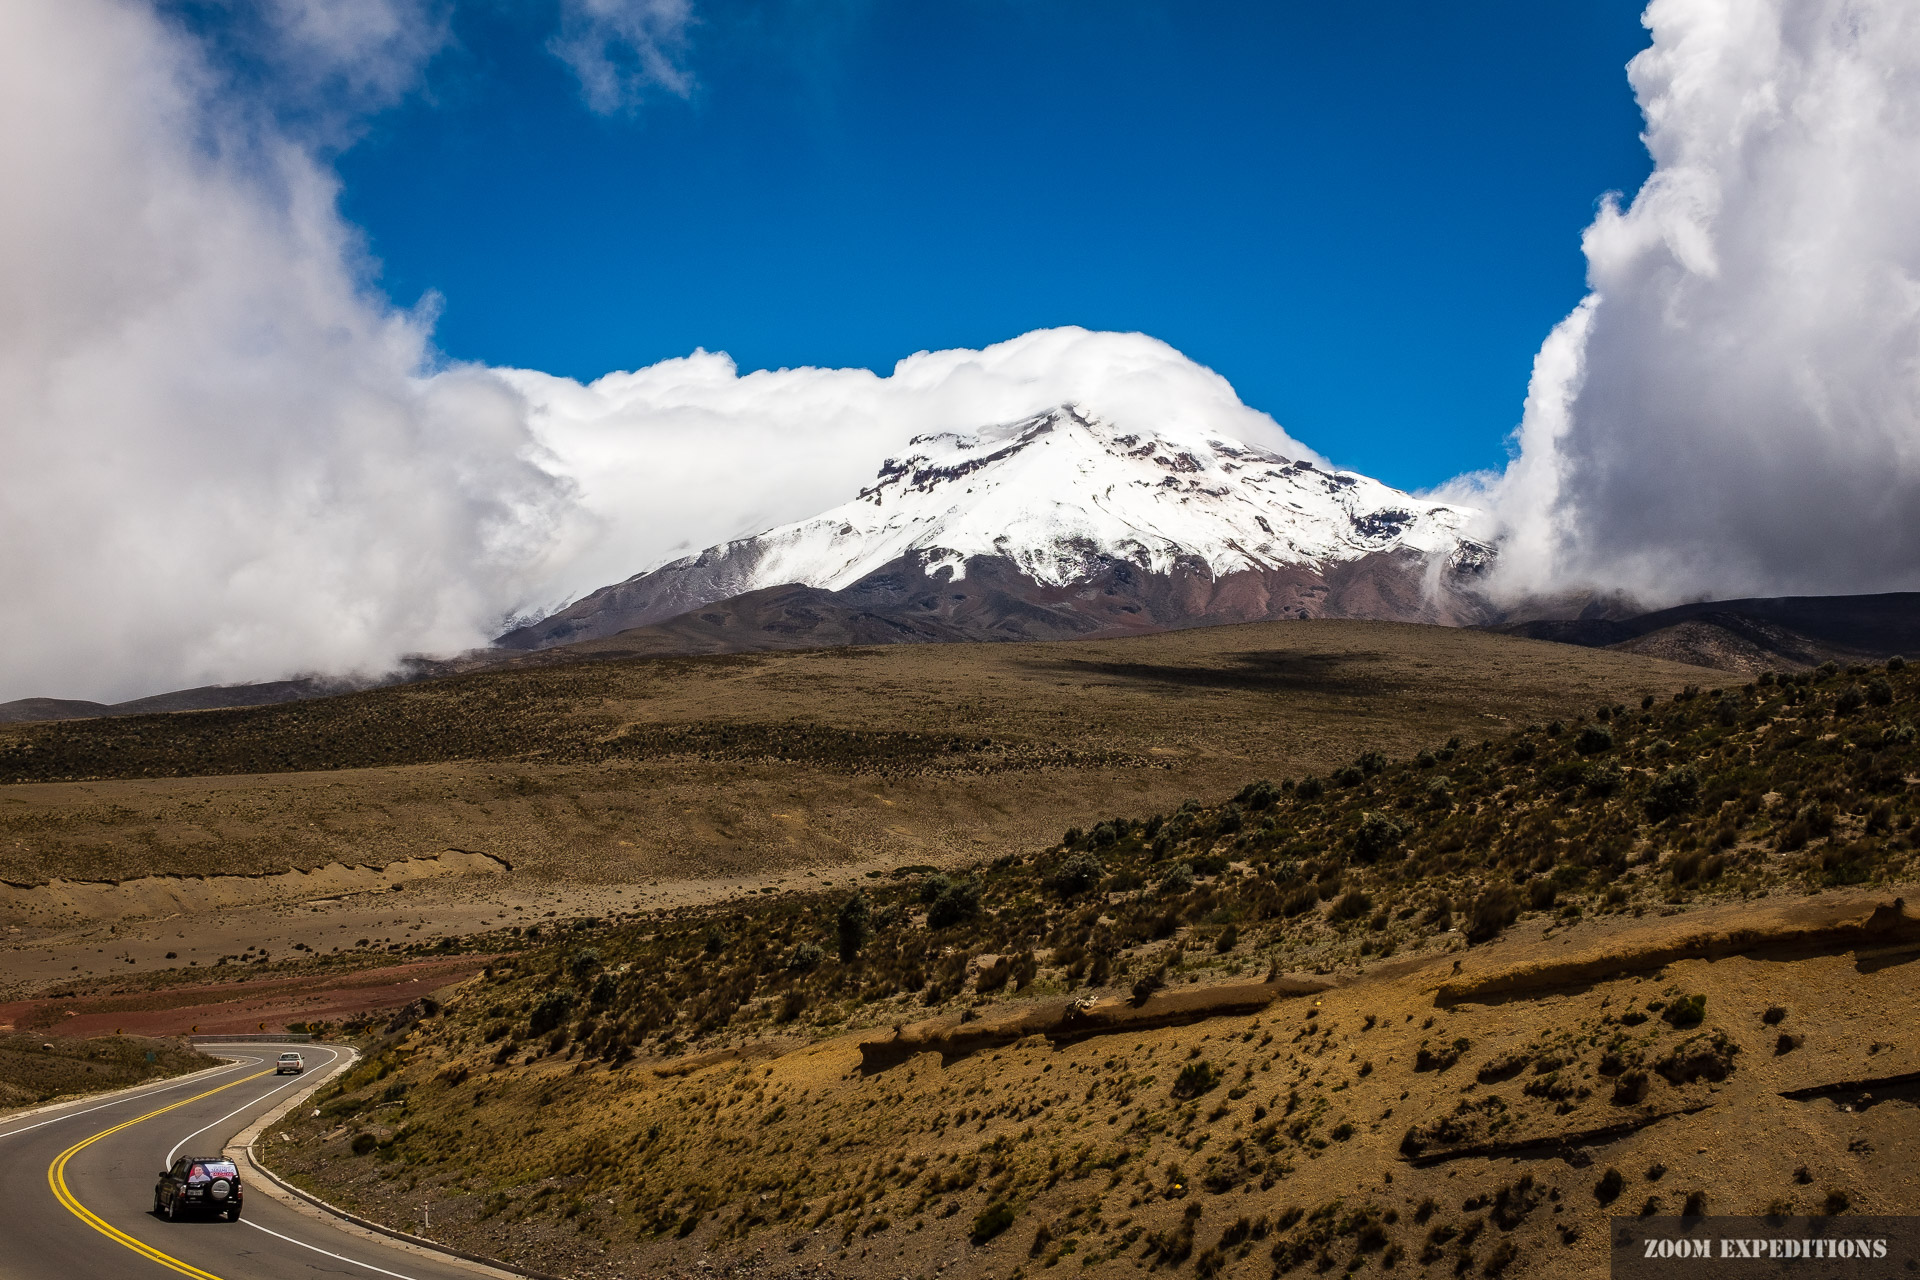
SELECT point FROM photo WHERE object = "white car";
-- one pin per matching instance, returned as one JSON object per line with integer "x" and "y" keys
{"x": 290, "y": 1064}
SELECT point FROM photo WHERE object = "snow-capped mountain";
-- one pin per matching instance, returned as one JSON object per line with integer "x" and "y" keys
{"x": 1064, "y": 500}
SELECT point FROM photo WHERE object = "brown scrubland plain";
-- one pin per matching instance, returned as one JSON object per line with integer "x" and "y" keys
{"x": 1283, "y": 949}
{"x": 747, "y": 766}
{"x": 1442, "y": 1013}
{"x": 598, "y": 787}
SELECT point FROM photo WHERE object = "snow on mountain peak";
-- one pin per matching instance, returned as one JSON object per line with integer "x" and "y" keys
{"x": 1061, "y": 492}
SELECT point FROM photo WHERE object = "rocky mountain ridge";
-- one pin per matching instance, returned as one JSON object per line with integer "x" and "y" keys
{"x": 1063, "y": 524}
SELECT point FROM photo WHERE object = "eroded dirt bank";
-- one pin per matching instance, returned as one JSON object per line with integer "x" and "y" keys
{"x": 1404, "y": 1118}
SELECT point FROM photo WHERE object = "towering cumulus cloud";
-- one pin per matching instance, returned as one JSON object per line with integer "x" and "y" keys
{"x": 221, "y": 457}
{"x": 1735, "y": 408}
{"x": 224, "y": 457}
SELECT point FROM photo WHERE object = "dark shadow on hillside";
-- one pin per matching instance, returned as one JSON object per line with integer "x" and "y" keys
{"x": 1344, "y": 674}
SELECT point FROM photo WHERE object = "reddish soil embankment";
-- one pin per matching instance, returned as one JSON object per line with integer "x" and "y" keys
{"x": 261, "y": 1004}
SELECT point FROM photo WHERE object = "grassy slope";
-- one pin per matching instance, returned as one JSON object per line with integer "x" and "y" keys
{"x": 1249, "y": 1144}
{"x": 680, "y": 767}
{"x": 35, "y": 1069}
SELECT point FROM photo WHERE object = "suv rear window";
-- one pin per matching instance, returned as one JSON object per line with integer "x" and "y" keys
{"x": 213, "y": 1169}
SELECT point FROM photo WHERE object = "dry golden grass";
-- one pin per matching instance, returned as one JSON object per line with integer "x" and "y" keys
{"x": 1367, "y": 1129}
{"x": 1655, "y": 1000}
{"x": 727, "y": 768}
{"x": 37, "y": 1067}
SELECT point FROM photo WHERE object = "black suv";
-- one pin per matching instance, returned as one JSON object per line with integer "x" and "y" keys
{"x": 209, "y": 1184}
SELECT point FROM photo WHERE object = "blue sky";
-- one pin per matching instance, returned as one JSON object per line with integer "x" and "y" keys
{"x": 1366, "y": 217}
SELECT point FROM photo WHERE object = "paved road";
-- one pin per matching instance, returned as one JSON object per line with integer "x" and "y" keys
{"x": 76, "y": 1190}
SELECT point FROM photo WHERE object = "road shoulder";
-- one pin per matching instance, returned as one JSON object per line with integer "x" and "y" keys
{"x": 241, "y": 1149}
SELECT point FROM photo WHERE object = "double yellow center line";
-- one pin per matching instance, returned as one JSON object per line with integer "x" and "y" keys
{"x": 57, "y": 1179}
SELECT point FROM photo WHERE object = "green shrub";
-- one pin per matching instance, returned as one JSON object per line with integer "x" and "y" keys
{"x": 1594, "y": 739}
{"x": 958, "y": 902}
{"x": 991, "y": 1221}
{"x": 1146, "y": 986}
{"x": 1376, "y": 837}
{"x": 1210, "y": 864}
{"x": 852, "y": 926}
{"x": 1565, "y": 776}
{"x": 550, "y": 1012}
{"x": 1687, "y": 1011}
{"x": 1258, "y": 796}
{"x": 1497, "y": 907}
{"x": 1195, "y": 1079}
{"x": 1673, "y": 792}
{"x": 1077, "y": 875}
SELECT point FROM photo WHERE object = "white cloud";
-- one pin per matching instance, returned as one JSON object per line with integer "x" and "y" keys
{"x": 1736, "y": 407}
{"x": 224, "y": 458}
{"x": 687, "y": 453}
{"x": 312, "y": 69}
{"x": 620, "y": 49}
{"x": 227, "y": 459}
{"x": 366, "y": 54}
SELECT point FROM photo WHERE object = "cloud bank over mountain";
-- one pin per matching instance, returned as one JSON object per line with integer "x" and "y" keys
{"x": 225, "y": 457}
{"x": 1735, "y": 408}
{"x": 687, "y": 453}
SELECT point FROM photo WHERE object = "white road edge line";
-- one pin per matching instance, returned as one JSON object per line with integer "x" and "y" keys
{"x": 317, "y": 1249}
{"x": 230, "y": 1115}
{"x": 243, "y": 1062}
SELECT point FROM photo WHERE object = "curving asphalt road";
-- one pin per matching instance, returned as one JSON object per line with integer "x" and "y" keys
{"x": 76, "y": 1190}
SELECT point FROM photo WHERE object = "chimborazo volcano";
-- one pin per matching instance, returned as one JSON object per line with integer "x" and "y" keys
{"x": 1055, "y": 526}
